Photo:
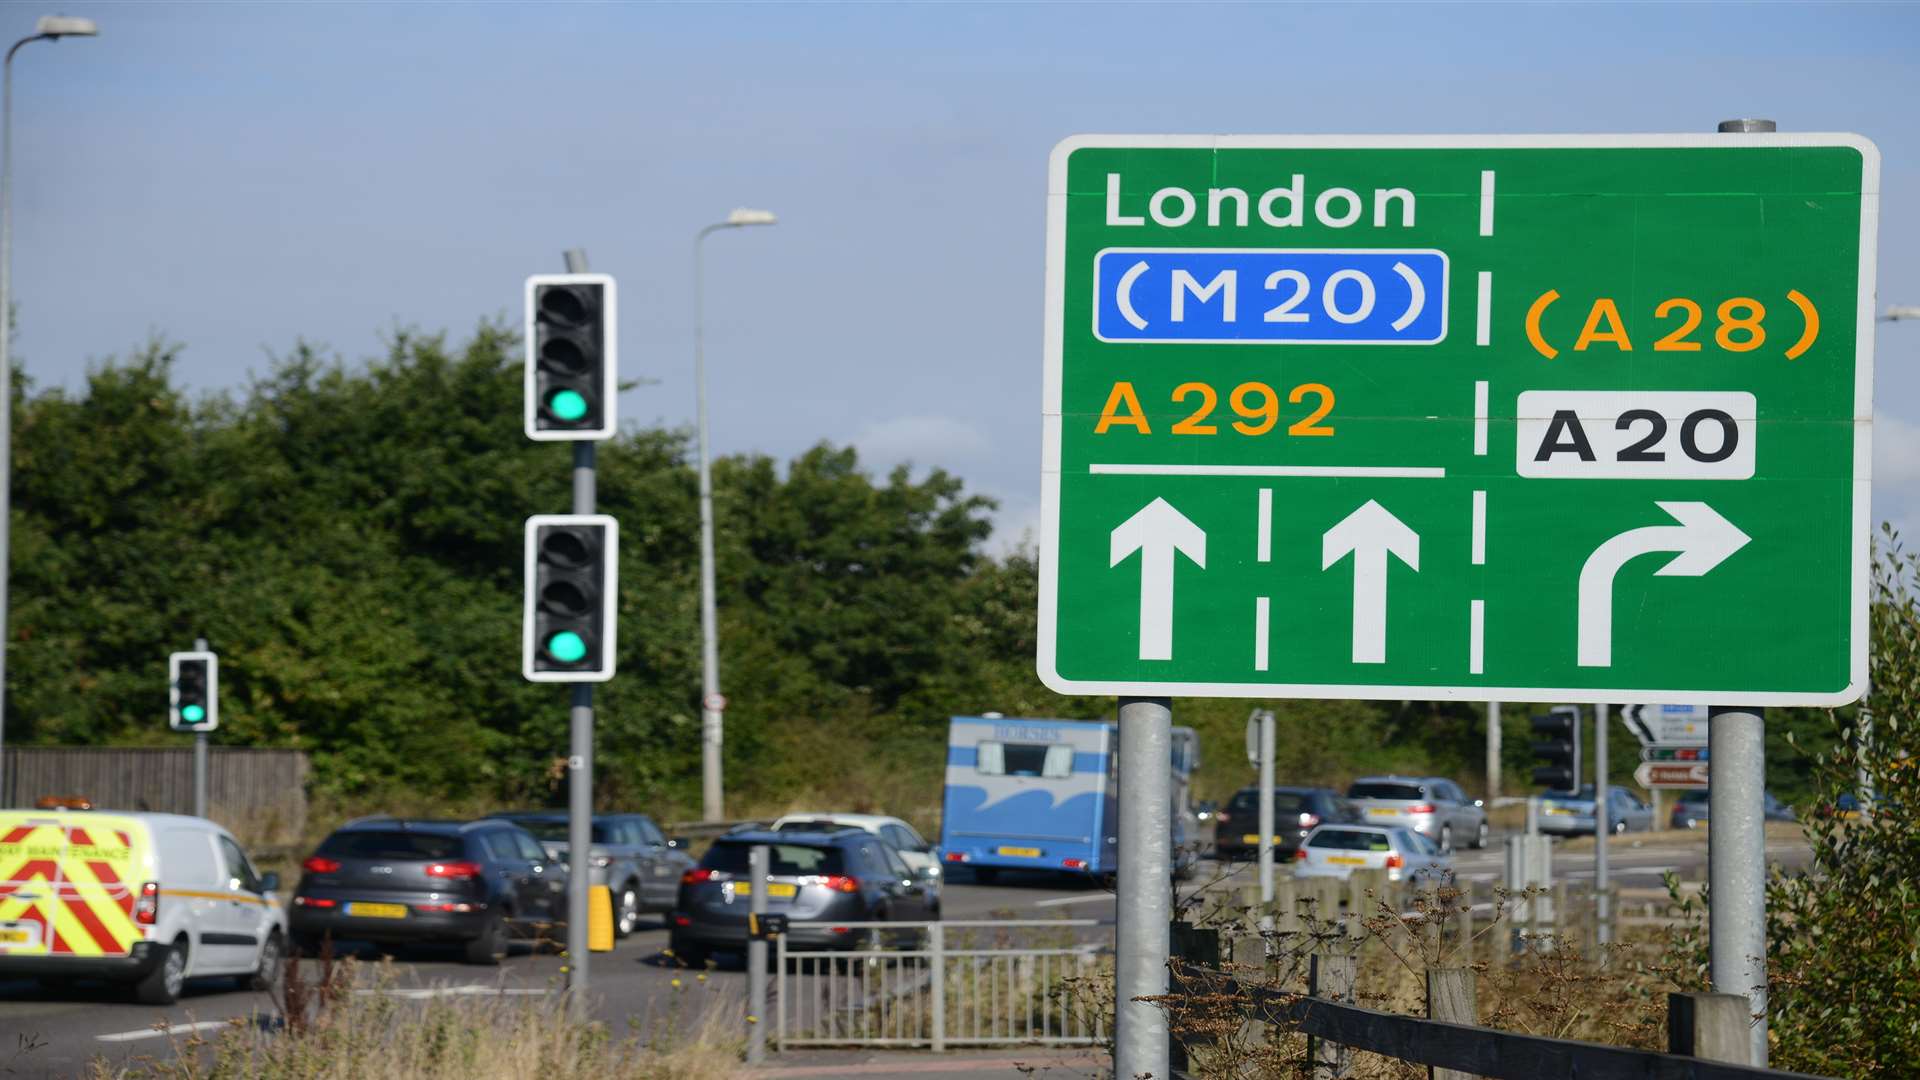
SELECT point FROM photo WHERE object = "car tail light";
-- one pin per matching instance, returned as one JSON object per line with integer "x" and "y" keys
{"x": 956, "y": 856}
{"x": 320, "y": 864}
{"x": 146, "y": 910}
{"x": 1308, "y": 821}
{"x": 840, "y": 929}
{"x": 1222, "y": 816}
{"x": 1420, "y": 808}
{"x": 1395, "y": 862}
{"x": 841, "y": 883}
{"x": 460, "y": 909}
{"x": 314, "y": 901}
{"x": 699, "y": 875}
{"x": 1299, "y": 854}
{"x": 461, "y": 869}
{"x": 683, "y": 920}
{"x": 1074, "y": 864}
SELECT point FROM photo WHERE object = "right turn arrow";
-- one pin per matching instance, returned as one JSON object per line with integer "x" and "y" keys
{"x": 1368, "y": 534}
{"x": 1703, "y": 540}
{"x": 1156, "y": 532}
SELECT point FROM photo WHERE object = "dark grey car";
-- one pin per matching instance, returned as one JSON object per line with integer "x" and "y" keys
{"x": 847, "y": 875}
{"x": 629, "y": 855}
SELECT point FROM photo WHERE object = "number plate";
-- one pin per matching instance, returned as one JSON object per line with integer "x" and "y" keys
{"x": 1558, "y": 810}
{"x": 1021, "y": 852}
{"x": 1380, "y": 811}
{"x": 1346, "y": 860}
{"x": 364, "y": 910}
{"x": 774, "y": 888}
{"x": 23, "y": 933}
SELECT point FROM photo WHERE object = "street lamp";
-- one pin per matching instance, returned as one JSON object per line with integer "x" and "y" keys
{"x": 712, "y": 705}
{"x": 49, "y": 28}
{"x": 1898, "y": 312}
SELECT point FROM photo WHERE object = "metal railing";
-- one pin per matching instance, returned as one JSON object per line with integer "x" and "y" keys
{"x": 943, "y": 984}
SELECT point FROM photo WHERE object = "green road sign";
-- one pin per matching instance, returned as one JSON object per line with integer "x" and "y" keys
{"x": 1567, "y": 418}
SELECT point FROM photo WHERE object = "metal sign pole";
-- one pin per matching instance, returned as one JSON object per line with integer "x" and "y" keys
{"x": 1493, "y": 753}
{"x": 1142, "y": 937}
{"x": 1602, "y": 827}
{"x": 758, "y": 867}
{"x": 579, "y": 755}
{"x": 1266, "y": 819}
{"x": 200, "y": 756}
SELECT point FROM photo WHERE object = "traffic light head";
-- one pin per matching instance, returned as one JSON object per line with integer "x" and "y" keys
{"x": 572, "y": 586}
{"x": 571, "y": 370}
{"x": 193, "y": 691}
{"x": 1556, "y": 743}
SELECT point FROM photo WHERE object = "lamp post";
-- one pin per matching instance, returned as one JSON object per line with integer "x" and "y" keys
{"x": 49, "y": 28}
{"x": 712, "y": 705}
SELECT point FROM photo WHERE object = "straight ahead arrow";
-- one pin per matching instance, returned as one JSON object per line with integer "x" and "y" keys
{"x": 1156, "y": 532}
{"x": 1703, "y": 540}
{"x": 1368, "y": 534}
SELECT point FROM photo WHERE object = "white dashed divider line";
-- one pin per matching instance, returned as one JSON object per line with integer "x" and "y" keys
{"x": 157, "y": 1032}
{"x": 1063, "y": 901}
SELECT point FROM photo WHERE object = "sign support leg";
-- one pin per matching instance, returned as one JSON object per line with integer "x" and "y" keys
{"x": 1266, "y": 820}
{"x": 758, "y": 867}
{"x": 1737, "y": 861}
{"x": 1602, "y": 829}
{"x": 1493, "y": 753}
{"x": 1145, "y": 892}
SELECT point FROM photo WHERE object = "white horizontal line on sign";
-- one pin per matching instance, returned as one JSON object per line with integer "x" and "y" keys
{"x": 1405, "y": 471}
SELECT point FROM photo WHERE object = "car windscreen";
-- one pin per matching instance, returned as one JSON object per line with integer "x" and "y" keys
{"x": 788, "y": 860}
{"x": 1285, "y": 804}
{"x": 391, "y": 844}
{"x": 1374, "y": 789}
{"x": 554, "y": 831}
{"x": 1350, "y": 840}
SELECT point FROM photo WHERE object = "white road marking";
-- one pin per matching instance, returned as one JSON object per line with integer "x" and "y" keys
{"x": 1260, "y": 618}
{"x": 1480, "y": 418}
{"x": 1063, "y": 901}
{"x": 155, "y": 1033}
{"x": 1476, "y": 635}
{"x": 1483, "y": 315}
{"x": 1263, "y": 546}
{"x": 1486, "y": 202}
{"x": 1479, "y": 528}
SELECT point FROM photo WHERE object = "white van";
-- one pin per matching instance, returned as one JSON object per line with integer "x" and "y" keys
{"x": 151, "y": 900}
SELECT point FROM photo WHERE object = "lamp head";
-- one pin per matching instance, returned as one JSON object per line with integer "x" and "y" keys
{"x": 59, "y": 26}
{"x": 744, "y": 216}
{"x": 1899, "y": 312}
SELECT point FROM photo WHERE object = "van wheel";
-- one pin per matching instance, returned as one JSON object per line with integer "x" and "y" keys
{"x": 163, "y": 984}
{"x": 266, "y": 977}
{"x": 491, "y": 946}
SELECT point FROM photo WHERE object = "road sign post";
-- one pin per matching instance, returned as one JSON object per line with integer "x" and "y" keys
{"x": 1263, "y": 720}
{"x": 1143, "y": 905}
{"x": 1602, "y": 828}
{"x": 1453, "y": 417}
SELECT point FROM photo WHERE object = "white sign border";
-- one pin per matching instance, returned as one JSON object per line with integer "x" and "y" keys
{"x": 1051, "y": 421}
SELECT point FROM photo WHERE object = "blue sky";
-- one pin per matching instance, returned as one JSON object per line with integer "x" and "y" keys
{"x": 236, "y": 177}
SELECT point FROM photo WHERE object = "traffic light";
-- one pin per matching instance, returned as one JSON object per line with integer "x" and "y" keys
{"x": 1556, "y": 742}
{"x": 572, "y": 587}
{"x": 193, "y": 699}
{"x": 572, "y": 369}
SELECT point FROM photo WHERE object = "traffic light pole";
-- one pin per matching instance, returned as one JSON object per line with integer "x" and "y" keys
{"x": 200, "y": 756}
{"x": 579, "y": 755}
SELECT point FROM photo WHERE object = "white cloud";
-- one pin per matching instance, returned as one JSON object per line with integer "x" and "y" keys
{"x": 921, "y": 440}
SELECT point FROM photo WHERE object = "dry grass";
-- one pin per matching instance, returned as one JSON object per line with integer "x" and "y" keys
{"x": 335, "y": 1031}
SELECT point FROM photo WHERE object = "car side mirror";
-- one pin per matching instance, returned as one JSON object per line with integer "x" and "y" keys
{"x": 270, "y": 881}
{"x": 1480, "y": 802}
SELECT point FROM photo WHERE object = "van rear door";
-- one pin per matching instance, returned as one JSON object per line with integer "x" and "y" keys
{"x": 68, "y": 883}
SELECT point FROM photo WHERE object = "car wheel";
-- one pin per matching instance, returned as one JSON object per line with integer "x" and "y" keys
{"x": 1480, "y": 837}
{"x": 273, "y": 956}
{"x": 627, "y": 910}
{"x": 163, "y": 984}
{"x": 1446, "y": 838}
{"x": 693, "y": 956}
{"x": 491, "y": 946}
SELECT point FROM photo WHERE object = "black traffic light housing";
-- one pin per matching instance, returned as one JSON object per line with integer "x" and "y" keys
{"x": 572, "y": 564}
{"x": 572, "y": 367}
{"x": 1556, "y": 743}
{"x": 193, "y": 691}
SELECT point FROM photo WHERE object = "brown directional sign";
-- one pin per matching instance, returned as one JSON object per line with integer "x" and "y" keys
{"x": 1654, "y": 774}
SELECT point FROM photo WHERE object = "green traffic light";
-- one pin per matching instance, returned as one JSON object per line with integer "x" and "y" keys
{"x": 567, "y": 405}
{"x": 192, "y": 714}
{"x": 567, "y": 647}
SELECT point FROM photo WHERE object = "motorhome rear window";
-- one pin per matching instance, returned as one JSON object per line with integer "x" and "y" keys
{"x": 1052, "y": 760}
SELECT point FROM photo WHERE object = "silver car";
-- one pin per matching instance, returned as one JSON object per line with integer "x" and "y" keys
{"x": 1336, "y": 851}
{"x": 629, "y": 855}
{"x": 1571, "y": 814}
{"x": 1432, "y": 806}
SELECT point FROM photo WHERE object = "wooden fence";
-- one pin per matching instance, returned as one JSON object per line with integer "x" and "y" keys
{"x": 260, "y": 795}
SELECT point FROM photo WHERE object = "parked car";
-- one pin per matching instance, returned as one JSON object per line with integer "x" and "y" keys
{"x": 814, "y": 878}
{"x": 919, "y": 855}
{"x": 629, "y": 855}
{"x": 1571, "y": 813}
{"x": 394, "y": 881}
{"x": 1338, "y": 850}
{"x": 1296, "y": 810}
{"x": 1690, "y": 810}
{"x": 166, "y": 898}
{"x": 1432, "y": 806}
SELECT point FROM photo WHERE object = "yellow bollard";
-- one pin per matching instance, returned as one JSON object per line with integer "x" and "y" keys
{"x": 599, "y": 919}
